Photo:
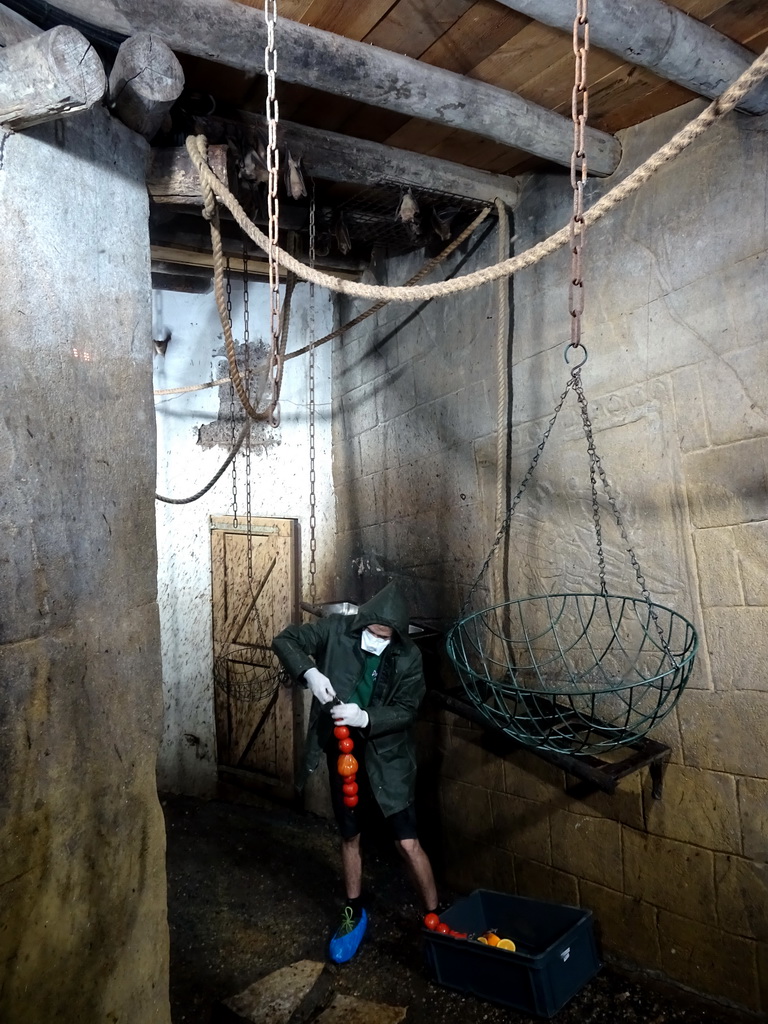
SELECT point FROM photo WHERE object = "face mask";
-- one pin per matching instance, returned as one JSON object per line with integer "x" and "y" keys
{"x": 373, "y": 644}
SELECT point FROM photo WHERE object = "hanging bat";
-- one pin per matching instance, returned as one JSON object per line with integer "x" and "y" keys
{"x": 441, "y": 220}
{"x": 342, "y": 236}
{"x": 294, "y": 179}
{"x": 408, "y": 208}
{"x": 251, "y": 159}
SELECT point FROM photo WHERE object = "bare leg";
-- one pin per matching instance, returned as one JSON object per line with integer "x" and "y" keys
{"x": 420, "y": 871}
{"x": 352, "y": 866}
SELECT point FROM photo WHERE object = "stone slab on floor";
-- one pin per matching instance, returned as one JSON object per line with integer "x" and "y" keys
{"x": 290, "y": 995}
{"x": 351, "y": 1010}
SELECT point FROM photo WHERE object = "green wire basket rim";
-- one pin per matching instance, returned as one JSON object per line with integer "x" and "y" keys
{"x": 683, "y": 659}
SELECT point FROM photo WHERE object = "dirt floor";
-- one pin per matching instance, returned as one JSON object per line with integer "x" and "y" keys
{"x": 255, "y": 888}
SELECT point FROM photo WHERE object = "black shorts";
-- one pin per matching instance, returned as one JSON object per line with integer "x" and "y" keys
{"x": 352, "y": 820}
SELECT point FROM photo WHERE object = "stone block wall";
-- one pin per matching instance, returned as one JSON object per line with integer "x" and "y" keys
{"x": 83, "y": 932}
{"x": 675, "y": 328}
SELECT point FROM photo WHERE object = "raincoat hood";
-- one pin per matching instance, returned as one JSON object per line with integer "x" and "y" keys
{"x": 388, "y": 608}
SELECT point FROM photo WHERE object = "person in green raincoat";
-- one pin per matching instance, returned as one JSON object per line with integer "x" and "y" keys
{"x": 365, "y": 673}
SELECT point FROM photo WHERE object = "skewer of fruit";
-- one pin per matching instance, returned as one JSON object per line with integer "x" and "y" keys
{"x": 347, "y": 765}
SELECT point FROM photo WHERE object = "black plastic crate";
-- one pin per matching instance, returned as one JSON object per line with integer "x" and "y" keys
{"x": 555, "y": 955}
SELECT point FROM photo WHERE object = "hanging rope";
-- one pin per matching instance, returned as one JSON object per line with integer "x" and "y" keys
{"x": 222, "y": 469}
{"x": 709, "y": 116}
{"x": 428, "y": 267}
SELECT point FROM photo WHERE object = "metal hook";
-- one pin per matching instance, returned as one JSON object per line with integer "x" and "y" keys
{"x": 570, "y": 345}
{"x": 274, "y": 416}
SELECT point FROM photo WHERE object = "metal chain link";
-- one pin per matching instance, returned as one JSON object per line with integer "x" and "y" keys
{"x": 579, "y": 111}
{"x": 247, "y": 373}
{"x": 228, "y": 273}
{"x": 312, "y": 476}
{"x": 596, "y": 466}
{"x": 273, "y": 211}
{"x": 520, "y": 491}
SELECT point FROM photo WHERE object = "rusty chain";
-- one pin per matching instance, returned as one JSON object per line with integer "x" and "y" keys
{"x": 579, "y": 112}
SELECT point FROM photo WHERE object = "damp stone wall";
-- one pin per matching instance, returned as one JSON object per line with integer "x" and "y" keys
{"x": 83, "y": 931}
{"x": 675, "y": 327}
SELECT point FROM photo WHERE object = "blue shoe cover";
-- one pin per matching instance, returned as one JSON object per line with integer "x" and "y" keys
{"x": 346, "y": 941}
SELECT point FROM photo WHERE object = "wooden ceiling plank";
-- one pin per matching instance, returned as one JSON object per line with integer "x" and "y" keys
{"x": 741, "y": 20}
{"x": 412, "y": 26}
{"x": 235, "y": 35}
{"x": 351, "y": 20}
{"x": 663, "y": 38}
{"x": 476, "y": 35}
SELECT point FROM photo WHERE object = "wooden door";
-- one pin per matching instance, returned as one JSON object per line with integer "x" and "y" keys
{"x": 253, "y": 705}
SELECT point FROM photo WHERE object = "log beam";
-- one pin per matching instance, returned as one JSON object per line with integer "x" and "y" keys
{"x": 659, "y": 37}
{"x": 145, "y": 81}
{"x": 48, "y": 76}
{"x": 172, "y": 178}
{"x": 332, "y": 157}
{"x": 14, "y": 28}
{"x": 235, "y": 35}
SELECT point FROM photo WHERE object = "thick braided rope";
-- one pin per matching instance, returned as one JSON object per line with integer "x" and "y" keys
{"x": 211, "y": 213}
{"x": 419, "y": 293}
{"x": 426, "y": 269}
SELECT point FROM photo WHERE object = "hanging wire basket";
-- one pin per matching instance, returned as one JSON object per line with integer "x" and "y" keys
{"x": 574, "y": 673}
{"x": 247, "y": 672}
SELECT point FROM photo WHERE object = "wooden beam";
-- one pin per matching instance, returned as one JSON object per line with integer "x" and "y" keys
{"x": 14, "y": 28}
{"x": 48, "y": 76}
{"x": 172, "y": 178}
{"x": 332, "y": 157}
{"x": 659, "y": 37}
{"x": 145, "y": 81}
{"x": 182, "y": 256}
{"x": 235, "y": 35}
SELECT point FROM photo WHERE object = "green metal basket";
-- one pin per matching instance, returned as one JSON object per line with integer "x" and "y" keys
{"x": 574, "y": 673}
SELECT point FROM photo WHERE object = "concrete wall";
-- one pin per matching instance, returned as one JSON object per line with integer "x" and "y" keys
{"x": 82, "y": 873}
{"x": 675, "y": 328}
{"x": 279, "y": 488}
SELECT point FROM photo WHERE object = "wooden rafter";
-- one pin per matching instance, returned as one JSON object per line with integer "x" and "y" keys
{"x": 235, "y": 35}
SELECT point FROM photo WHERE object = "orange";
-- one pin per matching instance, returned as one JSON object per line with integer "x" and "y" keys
{"x": 482, "y": 938}
{"x": 493, "y": 938}
{"x": 506, "y": 944}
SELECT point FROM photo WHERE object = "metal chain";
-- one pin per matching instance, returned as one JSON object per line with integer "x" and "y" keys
{"x": 247, "y": 377}
{"x": 579, "y": 111}
{"x": 520, "y": 491}
{"x": 273, "y": 212}
{"x": 312, "y": 477}
{"x": 596, "y": 467}
{"x": 232, "y": 400}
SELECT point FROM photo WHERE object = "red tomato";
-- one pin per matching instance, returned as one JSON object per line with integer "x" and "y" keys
{"x": 350, "y": 801}
{"x": 345, "y": 746}
{"x": 432, "y": 921}
{"x": 341, "y": 732}
{"x": 346, "y": 765}
{"x": 350, "y": 788}
{"x": 443, "y": 928}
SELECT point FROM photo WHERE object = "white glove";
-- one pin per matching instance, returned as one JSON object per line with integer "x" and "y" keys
{"x": 319, "y": 685}
{"x": 350, "y": 714}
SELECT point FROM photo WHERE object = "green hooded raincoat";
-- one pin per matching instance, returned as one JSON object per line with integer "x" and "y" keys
{"x": 332, "y": 644}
